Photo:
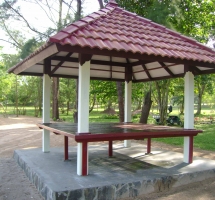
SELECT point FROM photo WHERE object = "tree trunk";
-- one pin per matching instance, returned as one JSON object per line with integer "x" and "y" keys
{"x": 55, "y": 83}
{"x": 77, "y": 17}
{"x": 17, "y": 109}
{"x": 119, "y": 86}
{"x": 40, "y": 95}
{"x": 109, "y": 105}
{"x": 182, "y": 107}
{"x": 67, "y": 107}
{"x": 146, "y": 108}
{"x": 201, "y": 89}
{"x": 199, "y": 106}
{"x": 55, "y": 95}
{"x": 101, "y": 4}
{"x": 93, "y": 103}
{"x": 79, "y": 10}
{"x": 162, "y": 92}
{"x": 75, "y": 114}
{"x": 139, "y": 102}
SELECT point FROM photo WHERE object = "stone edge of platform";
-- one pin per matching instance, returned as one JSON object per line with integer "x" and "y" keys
{"x": 115, "y": 191}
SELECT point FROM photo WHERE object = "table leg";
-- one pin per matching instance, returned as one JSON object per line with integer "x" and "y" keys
{"x": 188, "y": 149}
{"x": 148, "y": 145}
{"x": 110, "y": 149}
{"x": 66, "y": 148}
{"x": 191, "y": 150}
{"x": 84, "y": 159}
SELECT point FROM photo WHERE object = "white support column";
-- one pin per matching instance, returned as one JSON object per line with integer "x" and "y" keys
{"x": 189, "y": 111}
{"x": 127, "y": 108}
{"x": 83, "y": 110}
{"x": 46, "y": 111}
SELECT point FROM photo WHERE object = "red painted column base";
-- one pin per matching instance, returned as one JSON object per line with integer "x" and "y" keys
{"x": 148, "y": 145}
{"x": 84, "y": 159}
{"x": 110, "y": 148}
{"x": 190, "y": 149}
{"x": 66, "y": 148}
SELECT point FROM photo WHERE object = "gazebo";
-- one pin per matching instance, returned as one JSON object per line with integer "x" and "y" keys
{"x": 116, "y": 45}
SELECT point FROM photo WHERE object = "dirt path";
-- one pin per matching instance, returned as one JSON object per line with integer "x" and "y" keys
{"x": 21, "y": 133}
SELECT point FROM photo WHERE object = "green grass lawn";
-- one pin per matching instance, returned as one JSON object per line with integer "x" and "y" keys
{"x": 205, "y": 140}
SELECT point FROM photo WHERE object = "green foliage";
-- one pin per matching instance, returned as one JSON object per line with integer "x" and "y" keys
{"x": 105, "y": 91}
{"x": 5, "y": 9}
{"x": 139, "y": 90}
{"x": 140, "y": 7}
{"x": 9, "y": 60}
{"x": 29, "y": 47}
{"x": 5, "y": 84}
{"x": 67, "y": 93}
{"x": 205, "y": 83}
{"x": 194, "y": 18}
{"x": 109, "y": 116}
{"x": 160, "y": 11}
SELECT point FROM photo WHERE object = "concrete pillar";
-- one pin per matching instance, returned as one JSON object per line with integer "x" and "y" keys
{"x": 46, "y": 111}
{"x": 83, "y": 113}
{"x": 127, "y": 109}
{"x": 189, "y": 113}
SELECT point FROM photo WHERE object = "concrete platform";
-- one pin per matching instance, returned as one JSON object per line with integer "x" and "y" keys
{"x": 128, "y": 173}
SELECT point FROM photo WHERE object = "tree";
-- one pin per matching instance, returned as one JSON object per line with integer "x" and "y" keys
{"x": 177, "y": 91}
{"x": 5, "y": 88}
{"x": 101, "y": 5}
{"x": 120, "y": 95}
{"x": 203, "y": 83}
{"x": 67, "y": 94}
{"x": 77, "y": 17}
{"x": 194, "y": 18}
{"x": 162, "y": 91}
{"x": 106, "y": 93}
{"x": 146, "y": 107}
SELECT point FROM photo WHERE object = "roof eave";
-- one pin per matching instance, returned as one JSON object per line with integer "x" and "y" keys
{"x": 34, "y": 58}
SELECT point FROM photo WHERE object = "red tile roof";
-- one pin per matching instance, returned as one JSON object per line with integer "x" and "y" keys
{"x": 115, "y": 37}
{"x": 113, "y": 28}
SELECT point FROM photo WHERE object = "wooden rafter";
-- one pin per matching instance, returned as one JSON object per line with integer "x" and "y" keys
{"x": 147, "y": 72}
{"x": 167, "y": 69}
{"x": 196, "y": 70}
{"x": 60, "y": 63}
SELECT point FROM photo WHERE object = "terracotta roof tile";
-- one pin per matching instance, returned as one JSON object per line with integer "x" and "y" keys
{"x": 116, "y": 29}
{"x": 59, "y": 37}
{"x": 70, "y": 29}
{"x": 113, "y": 28}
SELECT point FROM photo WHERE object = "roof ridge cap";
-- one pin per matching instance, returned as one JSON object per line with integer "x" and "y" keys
{"x": 112, "y": 3}
{"x": 191, "y": 40}
{"x": 91, "y": 18}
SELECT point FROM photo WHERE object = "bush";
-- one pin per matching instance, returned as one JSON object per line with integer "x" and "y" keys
{"x": 109, "y": 117}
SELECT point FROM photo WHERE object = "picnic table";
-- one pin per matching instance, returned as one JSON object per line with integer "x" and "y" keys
{"x": 116, "y": 131}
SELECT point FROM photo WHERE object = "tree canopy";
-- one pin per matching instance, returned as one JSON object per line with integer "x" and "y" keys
{"x": 193, "y": 18}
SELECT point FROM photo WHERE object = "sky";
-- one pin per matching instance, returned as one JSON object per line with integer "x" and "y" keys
{"x": 36, "y": 15}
